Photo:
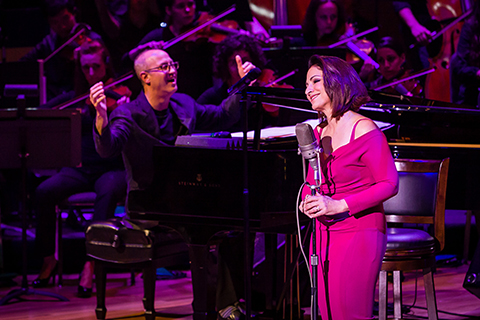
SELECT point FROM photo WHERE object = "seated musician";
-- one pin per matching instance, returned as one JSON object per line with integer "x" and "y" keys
{"x": 125, "y": 28}
{"x": 358, "y": 175}
{"x": 241, "y": 47}
{"x": 155, "y": 118}
{"x": 59, "y": 70}
{"x": 324, "y": 22}
{"x": 391, "y": 58}
{"x": 465, "y": 64}
{"x": 106, "y": 177}
{"x": 194, "y": 56}
{"x": 416, "y": 20}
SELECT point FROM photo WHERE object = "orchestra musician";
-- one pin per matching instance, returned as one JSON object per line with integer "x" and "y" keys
{"x": 106, "y": 177}
{"x": 123, "y": 32}
{"x": 391, "y": 58}
{"x": 465, "y": 63}
{"x": 415, "y": 19}
{"x": 155, "y": 118}
{"x": 228, "y": 53}
{"x": 59, "y": 70}
{"x": 324, "y": 22}
{"x": 358, "y": 175}
{"x": 181, "y": 16}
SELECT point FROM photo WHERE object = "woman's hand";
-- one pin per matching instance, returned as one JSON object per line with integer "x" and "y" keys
{"x": 316, "y": 206}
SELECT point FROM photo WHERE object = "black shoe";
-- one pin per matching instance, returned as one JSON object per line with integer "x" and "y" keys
{"x": 43, "y": 283}
{"x": 83, "y": 292}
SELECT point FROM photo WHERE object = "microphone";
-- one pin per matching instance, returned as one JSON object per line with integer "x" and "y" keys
{"x": 308, "y": 147}
{"x": 245, "y": 81}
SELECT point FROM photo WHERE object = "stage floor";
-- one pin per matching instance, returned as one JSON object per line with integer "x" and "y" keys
{"x": 174, "y": 297}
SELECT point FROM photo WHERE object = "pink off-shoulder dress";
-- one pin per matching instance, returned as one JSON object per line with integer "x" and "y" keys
{"x": 351, "y": 245}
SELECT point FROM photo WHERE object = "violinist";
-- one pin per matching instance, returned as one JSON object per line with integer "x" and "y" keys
{"x": 324, "y": 22}
{"x": 124, "y": 31}
{"x": 193, "y": 54}
{"x": 106, "y": 177}
{"x": 59, "y": 70}
{"x": 229, "y": 53}
{"x": 391, "y": 58}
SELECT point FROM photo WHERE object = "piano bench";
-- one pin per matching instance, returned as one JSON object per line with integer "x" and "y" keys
{"x": 132, "y": 244}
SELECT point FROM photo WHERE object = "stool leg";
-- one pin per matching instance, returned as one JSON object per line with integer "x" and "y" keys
{"x": 430, "y": 294}
{"x": 382, "y": 295}
{"x": 59, "y": 247}
{"x": 397, "y": 295}
{"x": 100, "y": 284}
{"x": 149, "y": 277}
{"x": 466, "y": 238}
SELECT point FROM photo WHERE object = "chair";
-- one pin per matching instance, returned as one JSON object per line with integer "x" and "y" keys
{"x": 420, "y": 201}
{"x": 73, "y": 204}
{"x": 76, "y": 205}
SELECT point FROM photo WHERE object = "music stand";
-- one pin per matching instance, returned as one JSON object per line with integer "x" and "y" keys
{"x": 37, "y": 139}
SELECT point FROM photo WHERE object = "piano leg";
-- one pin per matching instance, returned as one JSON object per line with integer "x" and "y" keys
{"x": 204, "y": 281}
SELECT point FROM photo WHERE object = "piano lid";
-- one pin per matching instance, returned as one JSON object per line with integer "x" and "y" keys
{"x": 437, "y": 121}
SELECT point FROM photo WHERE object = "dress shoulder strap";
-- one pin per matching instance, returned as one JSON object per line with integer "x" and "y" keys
{"x": 352, "y": 137}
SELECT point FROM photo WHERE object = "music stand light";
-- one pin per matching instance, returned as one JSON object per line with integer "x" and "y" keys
{"x": 40, "y": 139}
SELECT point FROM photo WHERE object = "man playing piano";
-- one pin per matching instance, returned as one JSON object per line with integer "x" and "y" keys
{"x": 156, "y": 118}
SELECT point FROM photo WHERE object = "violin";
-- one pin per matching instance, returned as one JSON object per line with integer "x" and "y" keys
{"x": 80, "y": 34}
{"x": 268, "y": 78}
{"x": 406, "y": 85}
{"x": 361, "y": 48}
{"x": 112, "y": 96}
{"x": 214, "y": 32}
{"x": 409, "y": 88}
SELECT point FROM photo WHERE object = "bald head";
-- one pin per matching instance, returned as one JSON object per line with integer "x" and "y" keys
{"x": 147, "y": 59}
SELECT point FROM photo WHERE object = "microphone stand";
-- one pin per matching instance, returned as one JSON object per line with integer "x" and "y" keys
{"x": 313, "y": 256}
{"x": 246, "y": 209}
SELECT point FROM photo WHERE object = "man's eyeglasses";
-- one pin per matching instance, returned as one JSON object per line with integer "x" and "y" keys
{"x": 165, "y": 67}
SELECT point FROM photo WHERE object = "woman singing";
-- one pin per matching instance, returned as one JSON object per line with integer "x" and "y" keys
{"x": 358, "y": 174}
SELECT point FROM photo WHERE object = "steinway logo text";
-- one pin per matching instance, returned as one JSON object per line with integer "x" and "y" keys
{"x": 199, "y": 184}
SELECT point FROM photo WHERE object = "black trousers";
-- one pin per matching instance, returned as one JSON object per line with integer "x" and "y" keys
{"x": 110, "y": 187}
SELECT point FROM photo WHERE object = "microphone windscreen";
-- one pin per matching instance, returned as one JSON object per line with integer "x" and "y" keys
{"x": 254, "y": 73}
{"x": 304, "y": 133}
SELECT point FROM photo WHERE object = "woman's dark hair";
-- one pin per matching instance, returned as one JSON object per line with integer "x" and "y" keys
{"x": 226, "y": 48}
{"x": 52, "y": 7}
{"x": 81, "y": 85}
{"x": 309, "y": 25}
{"x": 342, "y": 84}
{"x": 389, "y": 42}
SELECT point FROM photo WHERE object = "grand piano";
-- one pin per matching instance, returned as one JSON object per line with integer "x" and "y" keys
{"x": 199, "y": 192}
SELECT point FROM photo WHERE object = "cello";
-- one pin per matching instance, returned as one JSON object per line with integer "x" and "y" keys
{"x": 443, "y": 10}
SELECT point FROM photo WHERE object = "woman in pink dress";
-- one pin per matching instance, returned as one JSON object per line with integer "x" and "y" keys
{"x": 358, "y": 175}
